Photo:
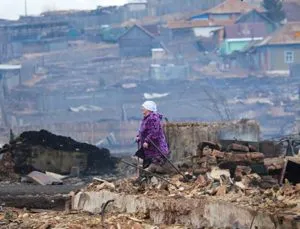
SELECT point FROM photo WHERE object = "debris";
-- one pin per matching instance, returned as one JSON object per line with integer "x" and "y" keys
{"x": 56, "y": 176}
{"x": 35, "y": 150}
{"x": 241, "y": 171}
{"x": 43, "y": 179}
{"x": 237, "y": 148}
{"x": 103, "y": 184}
{"x": 216, "y": 173}
{"x": 221, "y": 190}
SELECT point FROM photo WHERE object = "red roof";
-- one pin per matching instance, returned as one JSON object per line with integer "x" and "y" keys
{"x": 232, "y": 6}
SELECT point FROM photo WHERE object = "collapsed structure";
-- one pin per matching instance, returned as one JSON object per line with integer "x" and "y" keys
{"x": 44, "y": 151}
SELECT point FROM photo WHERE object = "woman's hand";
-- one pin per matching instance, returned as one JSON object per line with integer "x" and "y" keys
{"x": 145, "y": 145}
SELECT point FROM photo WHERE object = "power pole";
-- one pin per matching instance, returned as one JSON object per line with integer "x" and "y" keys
{"x": 25, "y": 7}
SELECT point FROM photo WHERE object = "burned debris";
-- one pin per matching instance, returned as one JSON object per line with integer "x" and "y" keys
{"x": 234, "y": 178}
{"x": 43, "y": 151}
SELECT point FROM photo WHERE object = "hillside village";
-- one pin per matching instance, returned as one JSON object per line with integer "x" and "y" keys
{"x": 225, "y": 74}
{"x": 90, "y": 70}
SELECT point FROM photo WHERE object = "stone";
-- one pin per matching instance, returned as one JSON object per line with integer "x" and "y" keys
{"x": 216, "y": 173}
{"x": 237, "y": 148}
{"x": 154, "y": 181}
{"x": 218, "y": 154}
{"x": 240, "y": 185}
{"x": 201, "y": 181}
{"x": 25, "y": 215}
{"x": 221, "y": 190}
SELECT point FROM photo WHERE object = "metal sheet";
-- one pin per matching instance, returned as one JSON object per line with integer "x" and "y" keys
{"x": 43, "y": 179}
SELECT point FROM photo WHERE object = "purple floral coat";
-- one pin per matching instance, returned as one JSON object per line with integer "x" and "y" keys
{"x": 151, "y": 130}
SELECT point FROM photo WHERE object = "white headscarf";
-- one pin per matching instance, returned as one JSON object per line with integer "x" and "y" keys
{"x": 150, "y": 106}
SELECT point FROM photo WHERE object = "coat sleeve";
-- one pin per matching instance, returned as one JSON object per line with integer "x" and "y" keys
{"x": 153, "y": 125}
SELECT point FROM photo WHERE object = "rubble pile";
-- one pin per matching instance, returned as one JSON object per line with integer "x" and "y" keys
{"x": 44, "y": 151}
{"x": 227, "y": 175}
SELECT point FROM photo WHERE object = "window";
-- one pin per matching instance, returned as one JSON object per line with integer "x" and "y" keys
{"x": 289, "y": 57}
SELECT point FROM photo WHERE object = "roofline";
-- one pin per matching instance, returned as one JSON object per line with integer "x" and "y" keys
{"x": 266, "y": 45}
{"x": 7, "y": 67}
{"x": 261, "y": 14}
{"x": 245, "y": 39}
{"x": 140, "y": 27}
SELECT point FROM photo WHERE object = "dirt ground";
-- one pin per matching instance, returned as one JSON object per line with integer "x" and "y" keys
{"x": 22, "y": 219}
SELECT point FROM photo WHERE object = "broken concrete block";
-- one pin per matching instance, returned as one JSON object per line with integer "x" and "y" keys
{"x": 103, "y": 184}
{"x": 251, "y": 180}
{"x": 240, "y": 185}
{"x": 154, "y": 181}
{"x": 221, "y": 190}
{"x": 216, "y": 173}
{"x": 218, "y": 154}
{"x": 201, "y": 181}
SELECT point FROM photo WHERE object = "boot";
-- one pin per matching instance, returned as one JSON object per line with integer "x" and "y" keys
{"x": 144, "y": 177}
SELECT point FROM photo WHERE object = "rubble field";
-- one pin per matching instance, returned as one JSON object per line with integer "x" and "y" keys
{"x": 220, "y": 187}
{"x": 232, "y": 187}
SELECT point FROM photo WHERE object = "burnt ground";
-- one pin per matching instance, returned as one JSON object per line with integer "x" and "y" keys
{"x": 31, "y": 189}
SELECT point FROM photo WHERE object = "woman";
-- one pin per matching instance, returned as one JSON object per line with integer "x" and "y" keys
{"x": 152, "y": 138}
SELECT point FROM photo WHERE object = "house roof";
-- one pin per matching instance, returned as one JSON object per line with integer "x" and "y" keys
{"x": 152, "y": 33}
{"x": 292, "y": 11}
{"x": 153, "y": 29}
{"x": 231, "y": 6}
{"x": 288, "y": 34}
{"x": 257, "y": 12}
{"x": 198, "y": 23}
{"x": 245, "y": 30}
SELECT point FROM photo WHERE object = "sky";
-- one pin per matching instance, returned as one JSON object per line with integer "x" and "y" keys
{"x": 12, "y": 9}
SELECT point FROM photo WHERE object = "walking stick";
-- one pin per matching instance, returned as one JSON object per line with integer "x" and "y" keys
{"x": 162, "y": 154}
{"x": 138, "y": 162}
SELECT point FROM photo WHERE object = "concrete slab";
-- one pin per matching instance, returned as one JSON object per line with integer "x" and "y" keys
{"x": 195, "y": 213}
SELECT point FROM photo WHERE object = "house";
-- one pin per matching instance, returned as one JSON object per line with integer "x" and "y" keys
{"x": 254, "y": 16}
{"x": 229, "y": 9}
{"x": 292, "y": 11}
{"x": 139, "y": 41}
{"x": 279, "y": 52}
{"x": 236, "y": 37}
{"x": 196, "y": 28}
